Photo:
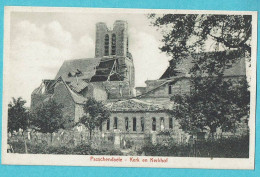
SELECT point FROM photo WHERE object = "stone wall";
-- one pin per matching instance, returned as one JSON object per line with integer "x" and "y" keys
{"x": 101, "y": 30}
{"x": 115, "y": 89}
{"x": 167, "y": 90}
{"x": 140, "y": 90}
{"x": 120, "y": 29}
{"x": 61, "y": 95}
{"x": 147, "y": 117}
{"x": 96, "y": 91}
{"x": 127, "y": 69}
{"x": 151, "y": 84}
{"x": 140, "y": 136}
{"x": 99, "y": 94}
{"x": 181, "y": 87}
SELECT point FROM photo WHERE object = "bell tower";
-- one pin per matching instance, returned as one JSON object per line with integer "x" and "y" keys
{"x": 113, "y": 43}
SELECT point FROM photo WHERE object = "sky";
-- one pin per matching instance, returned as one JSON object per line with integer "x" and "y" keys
{"x": 41, "y": 41}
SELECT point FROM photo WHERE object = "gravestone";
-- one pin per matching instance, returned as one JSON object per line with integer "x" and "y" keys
{"x": 117, "y": 138}
{"x": 154, "y": 137}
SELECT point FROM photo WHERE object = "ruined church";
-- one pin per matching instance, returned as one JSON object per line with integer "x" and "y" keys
{"x": 110, "y": 77}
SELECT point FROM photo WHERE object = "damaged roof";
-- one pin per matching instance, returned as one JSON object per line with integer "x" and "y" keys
{"x": 134, "y": 105}
{"x": 76, "y": 97}
{"x": 170, "y": 72}
{"x": 78, "y": 85}
{"x": 103, "y": 70}
{"x": 90, "y": 69}
{"x": 82, "y": 68}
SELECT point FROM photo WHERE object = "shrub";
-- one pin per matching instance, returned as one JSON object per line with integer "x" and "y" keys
{"x": 164, "y": 150}
{"x": 165, "y": 132}
{"x": 235, "y": 147}
{"x": 128, "y": 144}
{"x": 18, "y": 146}
{"x": 82, "y": 149}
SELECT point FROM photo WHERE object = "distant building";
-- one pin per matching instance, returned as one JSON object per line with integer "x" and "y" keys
{"x": 110, "y": 77}
{"x": 177, "y": 80}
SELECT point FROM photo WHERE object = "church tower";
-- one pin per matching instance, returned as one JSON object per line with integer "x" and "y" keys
{"x": 113, "y": 44}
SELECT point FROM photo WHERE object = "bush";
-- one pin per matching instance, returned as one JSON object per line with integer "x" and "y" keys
{"x": 236, "y": 147}
{"x": 164, "y": 150}
{"x": 18, "y": 146}
{"x": 165, "y": 132}
{"x": 129, "y": 144}
{"x": 82, "y": 149}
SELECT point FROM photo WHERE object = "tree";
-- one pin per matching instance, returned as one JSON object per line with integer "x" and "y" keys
{"x": 215, "y": 101}
{"x": 48, "y": 117}
{"x": 95, "y": 114}
{"x": 212, "y": 104}
{"x": 185, "y": 33}
{"x": 18, "y": 115}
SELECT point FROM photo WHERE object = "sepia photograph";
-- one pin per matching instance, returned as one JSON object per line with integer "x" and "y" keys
{"x": 128, "y": 87}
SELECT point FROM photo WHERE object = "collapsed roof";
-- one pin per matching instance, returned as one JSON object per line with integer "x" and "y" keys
{"x": 103, "y": 70}
{"x": 82, "y": 68}
{"x": 90, "y": 70}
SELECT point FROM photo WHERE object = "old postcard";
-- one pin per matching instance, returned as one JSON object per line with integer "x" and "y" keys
{"x": 129, "y": 88}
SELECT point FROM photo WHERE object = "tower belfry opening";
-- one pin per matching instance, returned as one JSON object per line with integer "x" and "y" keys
{"x": 112, "y": 42}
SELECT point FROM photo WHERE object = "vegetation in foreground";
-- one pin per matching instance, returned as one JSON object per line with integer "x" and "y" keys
{"x": 236, "y": 147}
{"x": 81, "y": 149}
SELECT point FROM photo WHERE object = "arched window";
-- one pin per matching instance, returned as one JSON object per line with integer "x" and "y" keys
{"x": 108, "y": 124}
{"x": 170, "y": 123}
{"x": 115, "y": 122}
{"x": 134, "y": 124}
{"x": 113, "y": 48}
{"x": 153, "y": 124}
{"x": 142, "y": 124}
{"x": 126, "y": 124}
{"x": 162, "y": 123}
{"x": 106, "y": 45}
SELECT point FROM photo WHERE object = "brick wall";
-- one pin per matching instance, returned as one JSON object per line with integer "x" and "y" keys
{"x": 120, "y": 29}
{"x": 180, "y": 87}
{"x": 151, "y": 84}
{"x": 101, "y": 30}
{"x": 61, "y": 95}
{"x": 148, "y": 116}
{"x": 96, "y": 91}
{"x": 138, "y": 138}
{"x": 115, "y": 89}
{"x": 140, "y": 90}
{"x": 127, "y": 69}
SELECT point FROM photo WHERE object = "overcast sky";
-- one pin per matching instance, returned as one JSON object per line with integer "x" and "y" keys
{"x": 42, "y": 41}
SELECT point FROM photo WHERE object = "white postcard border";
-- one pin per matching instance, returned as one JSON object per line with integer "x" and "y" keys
{"x": 85, "y": 160}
